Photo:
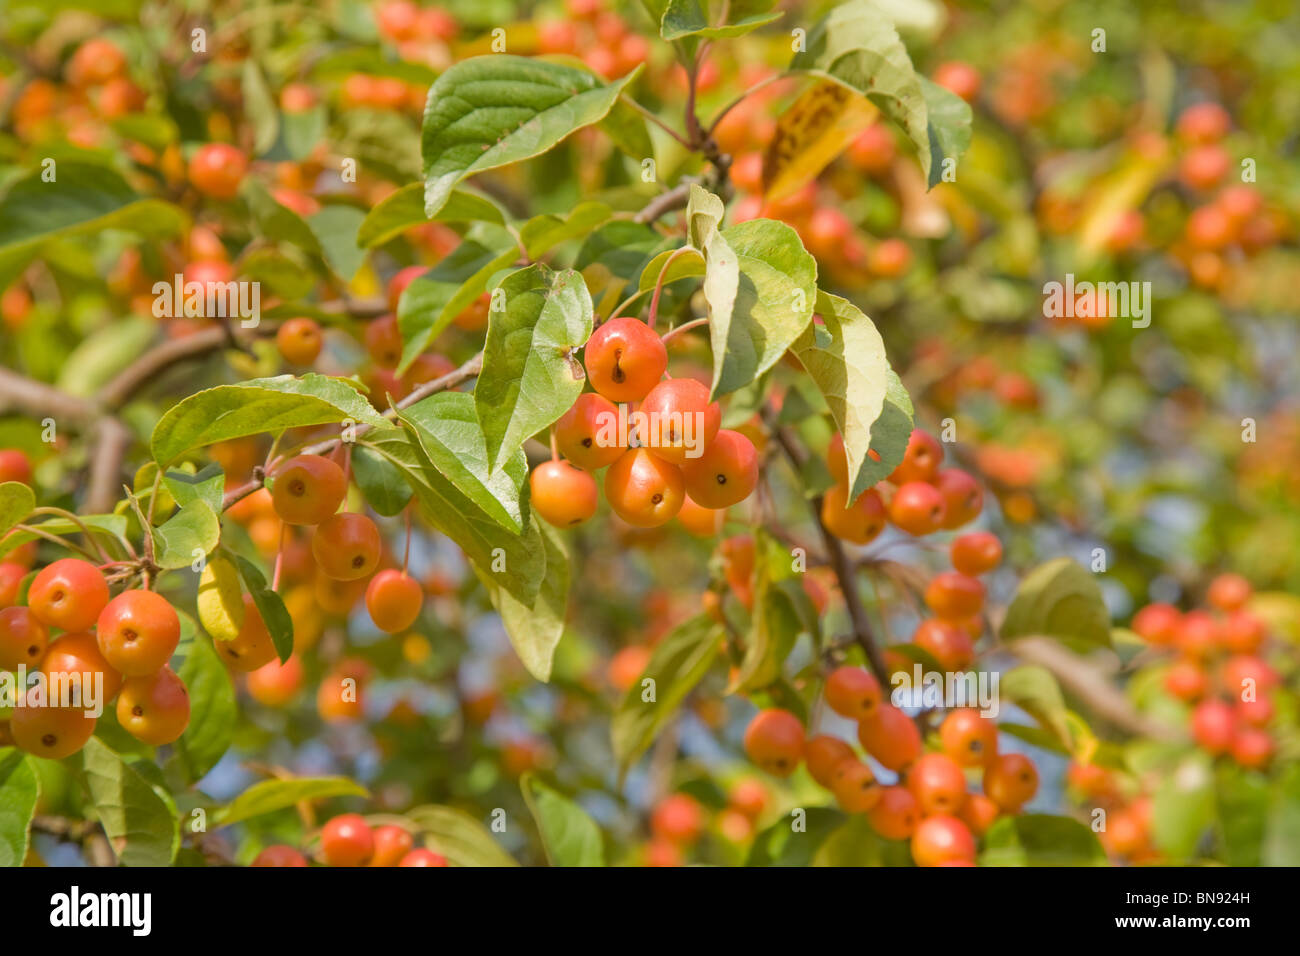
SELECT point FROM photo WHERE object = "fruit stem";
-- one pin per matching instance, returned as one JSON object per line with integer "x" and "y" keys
{"x": 685, "y": 326}
{"x": 659, "y": 283}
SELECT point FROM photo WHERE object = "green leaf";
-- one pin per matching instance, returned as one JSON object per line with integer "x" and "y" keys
{"x": 212, "y": 709}
{"x": 380, "y": 481}
{"x": 1040, "y": 839}
{"x": 857, "y": 46}
{"x": 543, "y": 233}
{"x": 854, "y": 843}
{"x": 1035, "y": 691}
{"x": 303, "y": 130}
{"x": 19, "y": 790}
{"x": 108, "y": 528}
{"x": 531, "y": 374}
{"x": 1282, "y": 833}
{"x": 83, "y": 198}
{"x": 889, "y": 434}
{"x": 17, "y": 501}
{"x": 677, "y": 664}
{"x": 104, "y": 353}
{"x": 270, "y": 605}
{"x": 142, "y": 827}
{"x": 948, "y": 120}
{"x": 459, "y": 837}
{"x": 1059, "y": 599}
{"x": 275, "y": 221}
{"x": 255, "y": 406}
{"x": 569, "y": 836}
{"x": 194, "y": 528}
{"x": 775, "y": 625}
{"x": 490, "y": 111}
{"x": 628, "y": 130}
{"x": 1242, "y": 808}
{"x": 259, "y": 107}
{"x": 405, "y": 208}
{"x": 271, "y": 795}
{"x": 775, "y": 293}
{"x": 207, "y": 485}
{"x": 693, "y": 18}
{"x": 446, "y": 426}
{"x": 1182, "y": 808}
{"x": 846, "y": 359}
{"x": 783, "y": 845}
{"x": 535, "y": 627}
{"x": 432, "y": 300}
{"x": 335, "y": 228}
{"x": 517, "y": 562}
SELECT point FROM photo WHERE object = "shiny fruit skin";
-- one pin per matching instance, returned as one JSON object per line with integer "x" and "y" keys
{"x": 891, "y": 737}
{"x": 587, "y": 434}
{"x": 858, "y": 524}
{"x": 853, "y": 692}
{"x": 217, "y": 169}
{"x": 975, "y": 553}
{"x": 346, "y": 546}
{"x": 252, "y": 648}
{"x": 917, "y": 508}
{"x": 1010, "y": 781}
{"x": 68, "y": 594}
{"x": 299, "y": 341}
{"x": 855, "y": 787}
{"x": 278, "y": 854}
{"x": 962, "y": 498}
{"x": 979, "y": 813}
{"x": 275, "y": 684}
{"x": 625, "y": 359}
{"x": 308, "y": 489}
{"x": 921, "y": 460}
{"x": 824, "y": 753}
{"x": 954, "y": 596}
{"x": 700, "y": 521}
{"x": 138, "y": 632}
{"x": 942, "y": 839}
{"x": 383, "y": 341}
{"x": 347, "y": 840}
{"x": 11, "y": 580}
{"x": 969, "y": 739}
{"x": 392, "y": 844}
{"x": 15, "y": 466}
{"x": 1252, "y": 748}
{"x": 1213, "y": 726}
{"x": 937, "y": 782}
{"x": 951, "y": 646}
{"x": 896, "y": 815}
{"x": 668, "y": 407}
{"x": 51, "y": 732}
{"x": 678, "y": 818}
{"x": 79, "y": 654}
{"x": 23, "y": 638}
{"x": 1186, "y": 680}
{"x": 1228, "y": 592}
{"x": 394, "y": 599}
{"x": 1157, "y": 624}
{"x": 645, "y": 491}
{"x": 562, "y": 494}
{"x": 774, "y": 741}
{"x": 423, "y": 857}
{"x": 154, "y": 709}
{"x": 727, "y": 472}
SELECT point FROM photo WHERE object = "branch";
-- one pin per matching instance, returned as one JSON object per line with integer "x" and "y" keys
{"x": 676, "y": 198}
{"x": 467, "y": 371}
{"x": 23, "y": 394}
{"x": 842, "y": 567}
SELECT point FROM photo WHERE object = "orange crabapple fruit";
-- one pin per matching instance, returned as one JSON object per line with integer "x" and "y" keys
{"x": 578, "y": 432}
{"x": 942, "y": 839}
{"x": 725, "y": 474}
{"x": 154, "y": 709}
{"x": 68, "y": 594}
{"x": 937, "y": 782}
{"x": 562, "y": 494}
{"x": 970, "y": 739}
{"x": 1010, "y": 781}
{"x": 853, "y": 692}
{"x": 138, "y": 632}
{"x": 891, "y": 737}
{"x": 896, "y": 814}
{"x": 347, "y": 840}
{"x": 393, "y": 599}
{"x": 774, "y": 740}
{"x": 308, "y": 489}
{"x": 683, "y": 422}
{"x": 625, "y": 359}
{"x": 824, "y": 753}
{"x": 976, "y": 552}
{"x": 346, "y": 546}
{"x": 859, "y": 523}
{"x": 917, "y": 508}
{"x": 644, "y": 490}
{"x": 23, "y": 638}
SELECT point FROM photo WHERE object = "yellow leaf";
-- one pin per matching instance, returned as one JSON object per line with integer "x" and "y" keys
{"x": 810, "y": 134}
{"x": 1114, "y": 194}
{"x": 220, "y": 602}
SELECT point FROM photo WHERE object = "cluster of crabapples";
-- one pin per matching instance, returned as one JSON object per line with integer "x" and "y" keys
{"x": 681, "y": 461}
{"x": 1218, "y": 670}
{"x": 678, "y": 821}
{"x": 930, "y": 803}
{"x": 121, "y": 644}
{"x": 348, "y": 840}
